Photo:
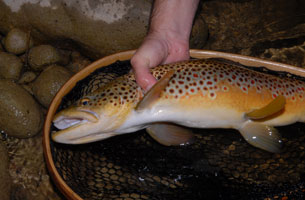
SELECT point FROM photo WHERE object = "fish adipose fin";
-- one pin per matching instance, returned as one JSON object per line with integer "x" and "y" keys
{"x": 262, "y": 136}
{"x": 154, "y": 93}
{"x": 273, "y": 107}
{"x": 170, "y": 135}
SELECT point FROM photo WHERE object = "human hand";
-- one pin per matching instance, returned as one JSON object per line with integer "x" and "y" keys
{"x": 167, "y": 40}
{"x": 157, "y": 48}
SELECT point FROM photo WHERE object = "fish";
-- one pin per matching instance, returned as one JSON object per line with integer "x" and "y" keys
{"x": 203, "y": 93}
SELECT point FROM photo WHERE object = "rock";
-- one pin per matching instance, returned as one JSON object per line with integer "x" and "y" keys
{"x": 96, "y": 28}
{"x": 20, "y": 115}
{"x": 43, "y": 55}
{"x": 5, "y": 179}
{"x": 65, "y": 57}
{"x": 78, "y": 62}
{"x": 2, "y": 41}
{"x": 27, "y": 77}
{"x": 20, "y": 193}
{"x": 24, "y": 58}
{"x": 199, "y": 34}
{"x": 49, "y": 82}
{"x": 235, "y": 28}
{"x": 293, "y": 55}
{"x": 29, "y": 172}
{"x": 28, "y": 88}
{"x": 17, "y": 41}
{"x": 10, "y": 66}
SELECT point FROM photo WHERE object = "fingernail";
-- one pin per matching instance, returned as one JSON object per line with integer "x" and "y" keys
{"x": 146, "y": 84}
{"x": 147, "y": 88}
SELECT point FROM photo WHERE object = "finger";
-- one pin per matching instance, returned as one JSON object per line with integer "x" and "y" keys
{"x": 153, "y": 51}
{"x": 150, "y": 54}
{"x": 142, "y": 74}
{"x": 145, "y": 79}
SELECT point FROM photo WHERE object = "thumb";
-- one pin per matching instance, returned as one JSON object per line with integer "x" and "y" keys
{"x": 142, "y": 73}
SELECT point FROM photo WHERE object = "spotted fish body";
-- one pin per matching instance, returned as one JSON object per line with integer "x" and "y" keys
{"x": 199, "y": 93}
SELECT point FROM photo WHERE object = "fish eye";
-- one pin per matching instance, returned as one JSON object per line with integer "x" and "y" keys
{"x": 84, "y": 101}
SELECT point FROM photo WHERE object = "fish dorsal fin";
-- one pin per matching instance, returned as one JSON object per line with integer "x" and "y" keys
{"x": 170, "y": 134}
{"x": 273, "y": 107}
{"x": 262, "y": 136}
{"x": 154, "y": 93}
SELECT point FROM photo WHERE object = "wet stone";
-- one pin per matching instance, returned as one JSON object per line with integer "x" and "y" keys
{"x": 27, "y": 77}
{"x": 10, "y": 66}
{"x": 49, "y": 82}
{"x": 20, "y": 115}
{"x": 65, "y": 57}
{"x": 42, "y": 56}
{"x": 78, "y": 62}
{"x": 18, "y": 41}
{"x": 28, "y": 88}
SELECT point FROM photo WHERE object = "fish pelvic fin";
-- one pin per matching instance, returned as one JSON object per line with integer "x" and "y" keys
{"x": 262, "y": 136}
{"x": 272, "y": 108}
{"x": 154, "y": 93}
{"x": 170, "y": 134}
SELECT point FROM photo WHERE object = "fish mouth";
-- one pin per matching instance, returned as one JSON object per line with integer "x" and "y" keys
{"x": 82, "y": 139}
{"x": 67, "y": 119}
{"x": 77, "y": 126}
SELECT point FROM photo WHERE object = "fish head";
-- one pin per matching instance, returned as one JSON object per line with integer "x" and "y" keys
{"x": 94, "y": 117}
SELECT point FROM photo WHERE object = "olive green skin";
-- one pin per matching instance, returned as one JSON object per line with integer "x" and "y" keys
{"x": 20, "y": 114}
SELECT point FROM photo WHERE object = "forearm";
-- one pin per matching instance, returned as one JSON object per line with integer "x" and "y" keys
{"x": 173, "y": 17}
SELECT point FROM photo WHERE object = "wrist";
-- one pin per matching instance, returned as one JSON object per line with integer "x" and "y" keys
{"x": 173, "y": 18}
{"x": 171, "y": 47}
{"x": 169, "y": 39}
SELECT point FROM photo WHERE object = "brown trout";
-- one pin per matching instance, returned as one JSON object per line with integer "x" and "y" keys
{"x": 206, "y": 93}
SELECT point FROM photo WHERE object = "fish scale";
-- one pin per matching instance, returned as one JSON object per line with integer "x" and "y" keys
{"x": 210, "y": 78}
{"x": 207, "y": 93}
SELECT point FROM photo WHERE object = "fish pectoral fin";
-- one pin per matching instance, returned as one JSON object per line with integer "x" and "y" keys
{"x": 273, "y": 107}
{"x": 154, "y": 93}
{"x": 262, "y": 136}
{"x": 170, "y": 135}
